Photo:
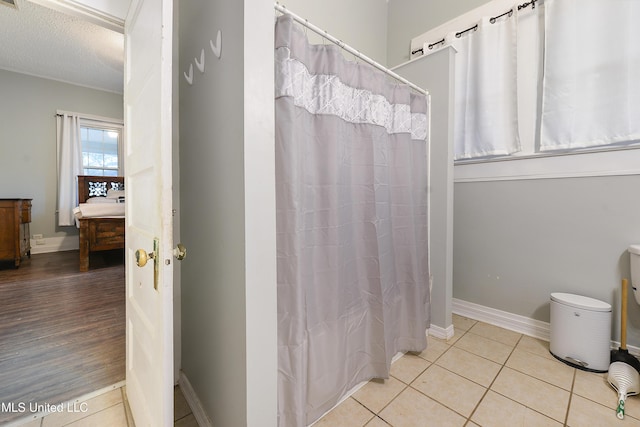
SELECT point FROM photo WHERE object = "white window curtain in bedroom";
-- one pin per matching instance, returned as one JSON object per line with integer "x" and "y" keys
{"x": 351, "y": 188}
{"x": 486, "y": 103}
{"x": 591, "y": 89}
{"x": 69, "y": 152}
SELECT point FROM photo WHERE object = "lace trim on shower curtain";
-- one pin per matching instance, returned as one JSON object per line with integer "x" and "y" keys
{"x": 293, "y": 79}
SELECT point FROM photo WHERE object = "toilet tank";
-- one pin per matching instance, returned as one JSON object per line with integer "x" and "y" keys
{"x": 634, "y": 255}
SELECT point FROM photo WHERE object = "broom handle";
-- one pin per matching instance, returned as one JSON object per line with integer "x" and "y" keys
{"x": 623, "y": 315}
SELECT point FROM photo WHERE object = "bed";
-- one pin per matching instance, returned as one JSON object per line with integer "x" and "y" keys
{"x": 99, "y": 215}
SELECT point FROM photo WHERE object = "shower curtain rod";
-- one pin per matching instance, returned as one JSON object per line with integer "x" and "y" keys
{"x": 280, "y": 8}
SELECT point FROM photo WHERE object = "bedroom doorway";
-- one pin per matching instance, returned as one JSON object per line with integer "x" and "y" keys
{"x": 140, "y": 184}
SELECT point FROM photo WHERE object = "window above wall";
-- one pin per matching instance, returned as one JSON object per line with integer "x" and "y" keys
{"x": 101, "y": 149}
{"x": 543, "y": 153}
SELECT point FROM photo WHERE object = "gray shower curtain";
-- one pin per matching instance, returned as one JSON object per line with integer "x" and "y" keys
{"x": 351, "y": 187}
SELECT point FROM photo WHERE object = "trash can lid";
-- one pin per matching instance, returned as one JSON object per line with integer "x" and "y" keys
{"x": 580, "y": 301}
{"x": 634, "y": 249}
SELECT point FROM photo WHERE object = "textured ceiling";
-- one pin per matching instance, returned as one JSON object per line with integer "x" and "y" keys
{"x": 43, "y": 42}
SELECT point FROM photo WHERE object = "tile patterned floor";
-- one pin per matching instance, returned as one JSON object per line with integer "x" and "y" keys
{"x": 111, "y": 409}
{"x": 483, "y": 376}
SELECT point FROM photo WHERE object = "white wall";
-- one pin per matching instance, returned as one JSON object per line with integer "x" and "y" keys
{"x": 28, "y": 140}
{"x": 260, "y": 215}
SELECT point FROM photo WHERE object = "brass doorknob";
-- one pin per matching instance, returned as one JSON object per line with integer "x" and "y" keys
{"x": 142, "y": 257}
{"x": 180, "y": 252}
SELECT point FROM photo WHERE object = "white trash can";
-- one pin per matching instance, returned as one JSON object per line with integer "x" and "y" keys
{"x": 581, "y": 331}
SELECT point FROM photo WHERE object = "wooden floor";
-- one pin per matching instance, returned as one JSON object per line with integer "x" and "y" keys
{"x": 62, "y": 332}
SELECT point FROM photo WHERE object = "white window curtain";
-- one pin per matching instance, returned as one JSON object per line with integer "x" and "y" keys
{"x": 69, "y": 151}
{"x": 351, "y": 210}
{"x": 591, "y": 89}
{"x": 486, "y": 106}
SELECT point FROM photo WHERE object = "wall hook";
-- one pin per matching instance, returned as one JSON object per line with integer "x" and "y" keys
{"x": 189, "y": 77}
{"x": 217, "y": 48}
{"x": 200, "y": 64}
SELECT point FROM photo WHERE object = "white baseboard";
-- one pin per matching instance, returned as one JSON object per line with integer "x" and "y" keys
{"x": 503, "y": 319}
{"x": 440, "y": 332}
{"x": 55, "y": 244}
{"x": 514, "y": 322}
{"x": 194, "y": 403}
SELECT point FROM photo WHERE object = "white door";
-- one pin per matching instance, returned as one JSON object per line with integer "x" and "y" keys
{"x": 148, "y": 176}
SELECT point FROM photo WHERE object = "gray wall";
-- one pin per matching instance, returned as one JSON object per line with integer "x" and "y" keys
{"x": 410, "y": 18}
{"x": 435, "y": 72}
{"x": 380, "y": 29}
{"x": 362, "y": 24}
{"x": 227, "y": 188}
{"x": 28, "y": 139}
{"x": 515, "y": 242}
{"x": 213, "y": 310}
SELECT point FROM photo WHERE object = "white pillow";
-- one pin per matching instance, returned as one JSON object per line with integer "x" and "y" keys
{"x": 114, "y": 194}
{"x": 101, "y": 200}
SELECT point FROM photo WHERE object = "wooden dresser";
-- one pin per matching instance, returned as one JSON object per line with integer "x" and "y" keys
{"x": 15, "y": 216}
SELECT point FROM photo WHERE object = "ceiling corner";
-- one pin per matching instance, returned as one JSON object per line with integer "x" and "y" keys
{"x": 111, "y": 18}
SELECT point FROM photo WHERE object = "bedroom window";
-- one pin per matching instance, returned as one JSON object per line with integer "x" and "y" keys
{"x": 100, "y": 154}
